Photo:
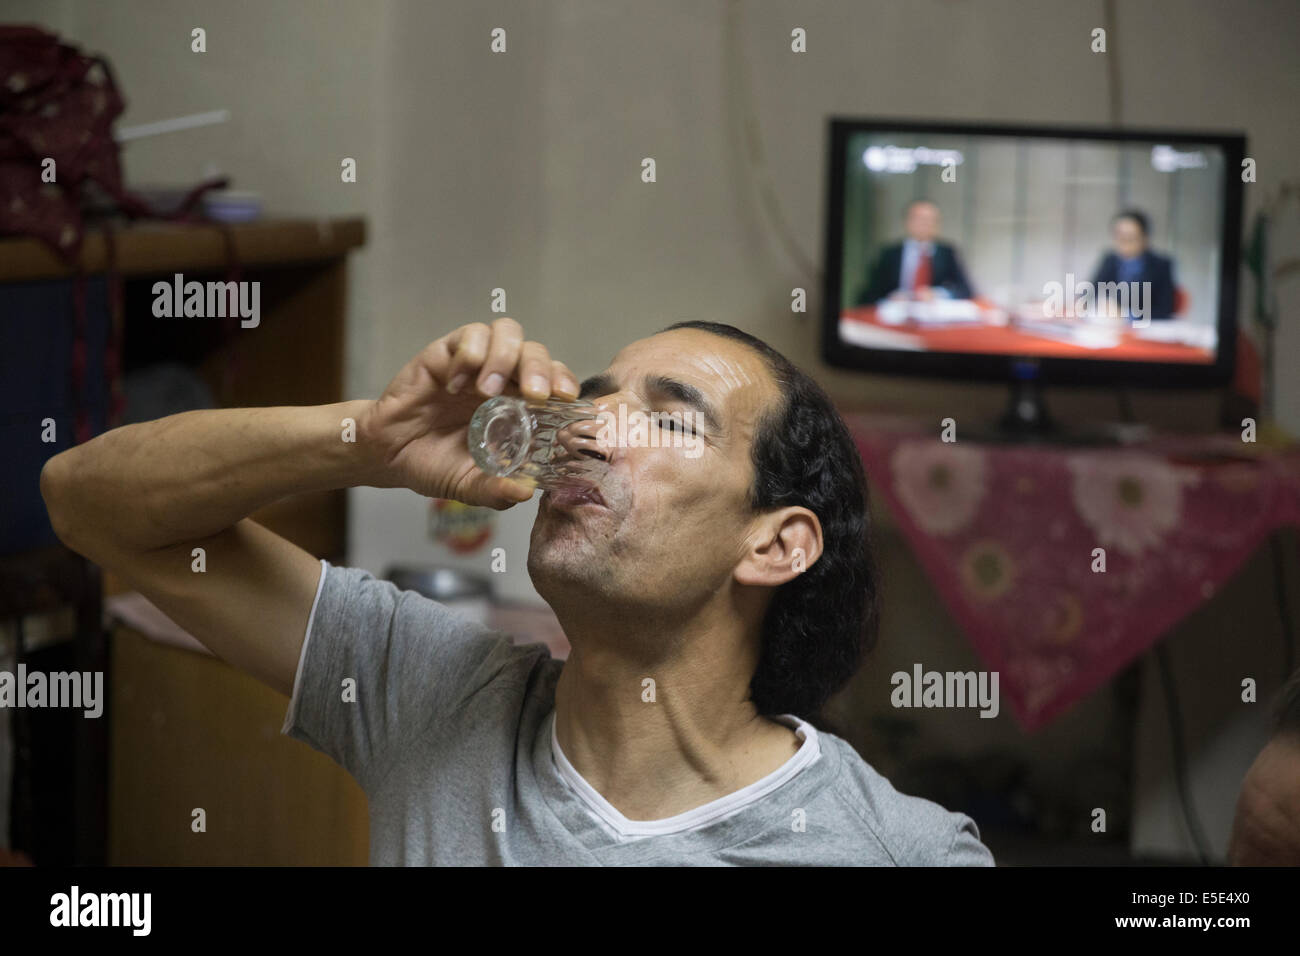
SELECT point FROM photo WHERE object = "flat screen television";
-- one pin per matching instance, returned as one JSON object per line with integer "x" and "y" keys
{"x": 1044, "y": 253}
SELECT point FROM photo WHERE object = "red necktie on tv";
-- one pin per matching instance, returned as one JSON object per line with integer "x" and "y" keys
{"x": 921, "y": 277}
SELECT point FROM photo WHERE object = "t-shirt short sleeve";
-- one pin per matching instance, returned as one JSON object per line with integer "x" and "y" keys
{"x": 380, "y": 665}
{"x": 966, "y": 849}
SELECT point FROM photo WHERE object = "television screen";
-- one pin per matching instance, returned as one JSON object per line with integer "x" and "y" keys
{"x": 1066, "y": 247}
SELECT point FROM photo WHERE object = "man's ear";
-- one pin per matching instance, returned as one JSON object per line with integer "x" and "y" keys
{"x": 783, "y": 543}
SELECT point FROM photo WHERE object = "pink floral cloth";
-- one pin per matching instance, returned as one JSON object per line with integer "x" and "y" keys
{"x": 1014, "y": 537}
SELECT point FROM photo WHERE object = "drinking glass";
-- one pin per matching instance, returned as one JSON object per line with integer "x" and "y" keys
{"x": 552, "y": 442}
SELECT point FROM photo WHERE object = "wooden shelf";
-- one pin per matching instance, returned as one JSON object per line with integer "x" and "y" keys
{"x": 153, "y": 248}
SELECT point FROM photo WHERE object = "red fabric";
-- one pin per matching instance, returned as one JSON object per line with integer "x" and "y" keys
{"x": 55, "y": 103}
{"x": 58, "y": 105}
{"x": 924, "y": 272}
{"x": 1008, "y": 340}
{"x": 1006, "y": 534}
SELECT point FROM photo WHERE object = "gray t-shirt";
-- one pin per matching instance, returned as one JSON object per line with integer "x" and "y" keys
{"x": 448, "y": 727}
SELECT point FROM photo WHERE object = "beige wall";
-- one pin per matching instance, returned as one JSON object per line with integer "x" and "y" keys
{"x": 522, "y": 171}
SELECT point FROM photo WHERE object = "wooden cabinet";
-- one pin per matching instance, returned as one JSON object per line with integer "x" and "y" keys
{"x": 186, "y": 731}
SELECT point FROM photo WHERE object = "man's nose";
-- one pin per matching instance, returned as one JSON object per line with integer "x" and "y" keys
{"x": 595, "y": 437}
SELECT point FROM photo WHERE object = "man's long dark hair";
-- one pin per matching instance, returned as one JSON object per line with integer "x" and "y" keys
{"x": 820, "y": 624}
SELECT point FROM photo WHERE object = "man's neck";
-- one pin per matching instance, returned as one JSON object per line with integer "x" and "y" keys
{"x": 658, "y": 735}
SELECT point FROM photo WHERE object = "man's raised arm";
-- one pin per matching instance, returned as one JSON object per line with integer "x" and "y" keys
{"x": 139, "y": 499}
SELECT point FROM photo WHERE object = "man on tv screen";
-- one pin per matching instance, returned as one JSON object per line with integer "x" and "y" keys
{"x": 1133, "y": 261}
{"x": 920, "y": 267}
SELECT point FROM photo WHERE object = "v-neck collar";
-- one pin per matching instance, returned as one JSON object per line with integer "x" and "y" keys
{"x": 730, "y": 819}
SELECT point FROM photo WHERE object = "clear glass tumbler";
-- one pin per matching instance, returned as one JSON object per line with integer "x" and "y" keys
{"x": 552, "y": 442}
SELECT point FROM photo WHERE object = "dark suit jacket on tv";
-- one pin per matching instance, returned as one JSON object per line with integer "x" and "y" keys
{"x": 1156, "y": 269}
{"x": 945, "y": 271}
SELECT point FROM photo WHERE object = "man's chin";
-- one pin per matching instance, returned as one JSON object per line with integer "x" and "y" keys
{"x": 559, "y": 547}
{"x": 560, "y": 570}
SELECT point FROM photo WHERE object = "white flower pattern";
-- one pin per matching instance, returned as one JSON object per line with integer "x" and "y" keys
{"x": 1129, "y": 501}
{"x": 941, "y": 484}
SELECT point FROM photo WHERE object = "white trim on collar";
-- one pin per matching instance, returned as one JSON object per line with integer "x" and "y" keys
{"x": 701, "y": 816}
